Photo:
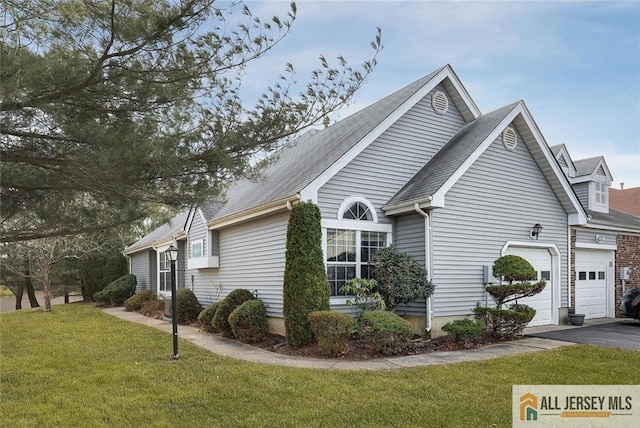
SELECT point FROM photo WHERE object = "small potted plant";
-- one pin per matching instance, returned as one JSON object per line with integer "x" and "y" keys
{"x": 576, "y": 319}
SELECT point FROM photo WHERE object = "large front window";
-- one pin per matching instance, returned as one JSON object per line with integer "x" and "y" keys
{"x": 351, "y": 243}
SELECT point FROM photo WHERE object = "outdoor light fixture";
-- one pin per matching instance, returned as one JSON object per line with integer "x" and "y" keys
{"x": 535, "y": 230}
{"x": 172, "y": 255}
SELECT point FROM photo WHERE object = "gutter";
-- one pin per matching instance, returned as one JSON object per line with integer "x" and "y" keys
{"x": 427, "y": 255}
{"x": 252, "y": 213}
{"x": 405, "y": 207}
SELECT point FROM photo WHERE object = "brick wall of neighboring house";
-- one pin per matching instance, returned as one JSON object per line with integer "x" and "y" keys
{"x": 572, "y": 274}
{"x": 627, "y": 255}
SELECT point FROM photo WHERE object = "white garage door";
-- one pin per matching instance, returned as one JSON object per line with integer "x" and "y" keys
{"x": 540, "y": 259}
{"x": 591, "y": 282}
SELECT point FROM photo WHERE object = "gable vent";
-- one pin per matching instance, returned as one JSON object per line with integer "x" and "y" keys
{"x": 509, "y": 139}
{"x": 439, "y": 102}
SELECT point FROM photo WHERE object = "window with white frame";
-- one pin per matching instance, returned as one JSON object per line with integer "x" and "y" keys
{"x": 197, "y": 248}
{"x": 164, "y": 273}
{"x": 601, "y": 194}
{"x": 351, "y": 245}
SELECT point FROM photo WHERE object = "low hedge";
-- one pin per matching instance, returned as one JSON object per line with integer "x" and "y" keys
{"x": 135, "y": 302}
{"x": 505, "y": 323}
{"x": 465, "y": 330}
{"x": 206, "y": 316}
{"x": 249, "y": 321}
{"x": 227, "y": 305}
{"x": 117, "y": 291}
{"x": 332, "y": 330}
{"x": 384, "y": 332}
{"x": 188, "y": 306}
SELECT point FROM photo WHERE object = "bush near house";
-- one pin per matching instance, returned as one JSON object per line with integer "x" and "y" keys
{"x": 188, "y": 306}
{"x": 465, "y": 330}
{"x": 227, "y": 305}
{"x": 305, "y": 288}
{"x": 249, "y": 321}
{"x": 206, "y": 317}
{"x": 135, "y": 302}
{"x": 118, "y": 291}
{"x": 153, "y": 308}
{"x": 366, "y": 298}
{"x": 384, "y": 332}
{"x": 401, "y": 279}
{"x": 507, "y": 323}
{"x": 332, "y": 331}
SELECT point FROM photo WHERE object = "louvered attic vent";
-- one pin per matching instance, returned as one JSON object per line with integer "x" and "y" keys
{"x": 439, "y": 102}
{"x": 509, "y": 139}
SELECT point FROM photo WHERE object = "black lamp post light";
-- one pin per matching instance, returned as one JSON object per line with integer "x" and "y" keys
{"x": 172, "y": 255}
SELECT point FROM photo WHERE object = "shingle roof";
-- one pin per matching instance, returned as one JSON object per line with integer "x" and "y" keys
{"x": 615, "y": 218}
{"x": 587, "y": 166}
{"x": 164, "y": 232}
{"x": 300, "y": 162}
{"x": 447, "y": 161}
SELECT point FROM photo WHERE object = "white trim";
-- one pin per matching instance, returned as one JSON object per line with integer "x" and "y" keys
{"x": 283, "y": 204}
{"x": 191, "y": 245}
{"x": 310, "y": 192}
{"x": 556, "y": 293}
{"x": 356, "y": 225}
{"x": 204, "y": 262}
{"x": 603, "y": 247}
{"x": 346, "y": 204}
{"x": 190, "y": 217}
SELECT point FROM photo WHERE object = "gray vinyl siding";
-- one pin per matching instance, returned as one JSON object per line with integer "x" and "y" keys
{"x": 198, "y": 230}
{"x": 582, "y": 191}
{"x": 252, "y": 256}
{"x": 588, "y": 237}
{"x": 409, "y": 238}
{"x": 140, "y": 268}
{"x": 386, "y": 165}
{"x": 498, "y": 199}
{"x": 153, "y": 271}
{"x": 181, "y": 266}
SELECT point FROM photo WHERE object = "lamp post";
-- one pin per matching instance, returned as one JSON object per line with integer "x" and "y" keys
{"x": 172, "y": 255}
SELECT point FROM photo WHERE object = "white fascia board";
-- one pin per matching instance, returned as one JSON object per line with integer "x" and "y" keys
{"x": 262, "y": 210}
{"x": 310, "y": 192}
{"x": 579, "y": 216}
{"x": 190, "y": 217}
{"x": 442, "y": 191}
{"x": 616, "y": 229}
{"x": 462, "y": 91}
{"x": 407, "y": 207}
{"x": 567, "y": 157}
{"x": 596, "y": 246}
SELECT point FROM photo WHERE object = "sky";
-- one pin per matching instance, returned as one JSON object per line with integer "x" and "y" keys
{"x": 575, "y": 64}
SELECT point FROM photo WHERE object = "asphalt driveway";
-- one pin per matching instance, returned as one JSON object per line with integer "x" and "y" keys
{"x": 620, "y": 334}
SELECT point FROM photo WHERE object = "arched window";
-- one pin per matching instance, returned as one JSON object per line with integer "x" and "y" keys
{"x": 352, "y": 241}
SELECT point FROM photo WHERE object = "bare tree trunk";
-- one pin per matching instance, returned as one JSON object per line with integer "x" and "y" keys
{"x": 29, "y": 286}
{"x": 46, "y": 273}
{"x": 18, "y": 292}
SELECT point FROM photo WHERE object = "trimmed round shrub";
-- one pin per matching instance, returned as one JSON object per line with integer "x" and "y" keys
{"x": 465, "y": 330}
{"x": 401, "y": 279}
{"x": 332, "y": 331}
{"x": 249, "y": 321}
{"x": 305, "y": 288}
{"x": 384, "y": 332}
{"x": 227, "y": 305}
{"x": 118, "y": 291}
{"x": 206, "y": 316}
{"x": 135, "y": 302}
{"x": 188, "y": 306}
{"x": 505, "y": 323}
{"x": 513, "y": 268}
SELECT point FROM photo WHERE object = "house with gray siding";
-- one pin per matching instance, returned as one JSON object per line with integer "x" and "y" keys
{"x": 604, "y": 248}
{"x": 422, "y": 169}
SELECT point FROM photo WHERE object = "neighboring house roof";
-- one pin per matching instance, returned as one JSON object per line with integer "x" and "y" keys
{"x": 615, "y": 220}
{"x": 627, "y": 200}
{"x": 174, "y": 228}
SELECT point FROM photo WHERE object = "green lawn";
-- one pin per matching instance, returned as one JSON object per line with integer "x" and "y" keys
{"x": 77, "y": 366}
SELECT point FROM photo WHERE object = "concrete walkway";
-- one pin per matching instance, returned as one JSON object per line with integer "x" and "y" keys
{"x": 244, "y": 352}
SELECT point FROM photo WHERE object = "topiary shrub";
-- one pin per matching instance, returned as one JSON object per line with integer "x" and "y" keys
{"x": 400, "y": 278}
{"x": 514, "y": 268}
{"x": 118, "y": 291}
{"x": 505, "y": 323}
{"x": 206, "y": 317}
{"x": 305, "y": 288}
{"x": 227, "y": 305}
{"x": 465, "y": 330}
{"x": 135, "y": 302}
{"x": 332, "y": 331}
{"x": 384, "y": 332}
{"x": 249, "y": 321}
{"x": 188, "y": 306}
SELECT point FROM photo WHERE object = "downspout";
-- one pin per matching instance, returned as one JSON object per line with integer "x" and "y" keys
{"x": 427, "y": 259}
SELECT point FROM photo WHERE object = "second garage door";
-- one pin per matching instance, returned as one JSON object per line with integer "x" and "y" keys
{"x": 592, "y": 290}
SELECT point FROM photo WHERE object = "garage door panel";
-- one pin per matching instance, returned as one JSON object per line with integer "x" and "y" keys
{"x": 591, "y": 288}
{"x": 540, "y": 259}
